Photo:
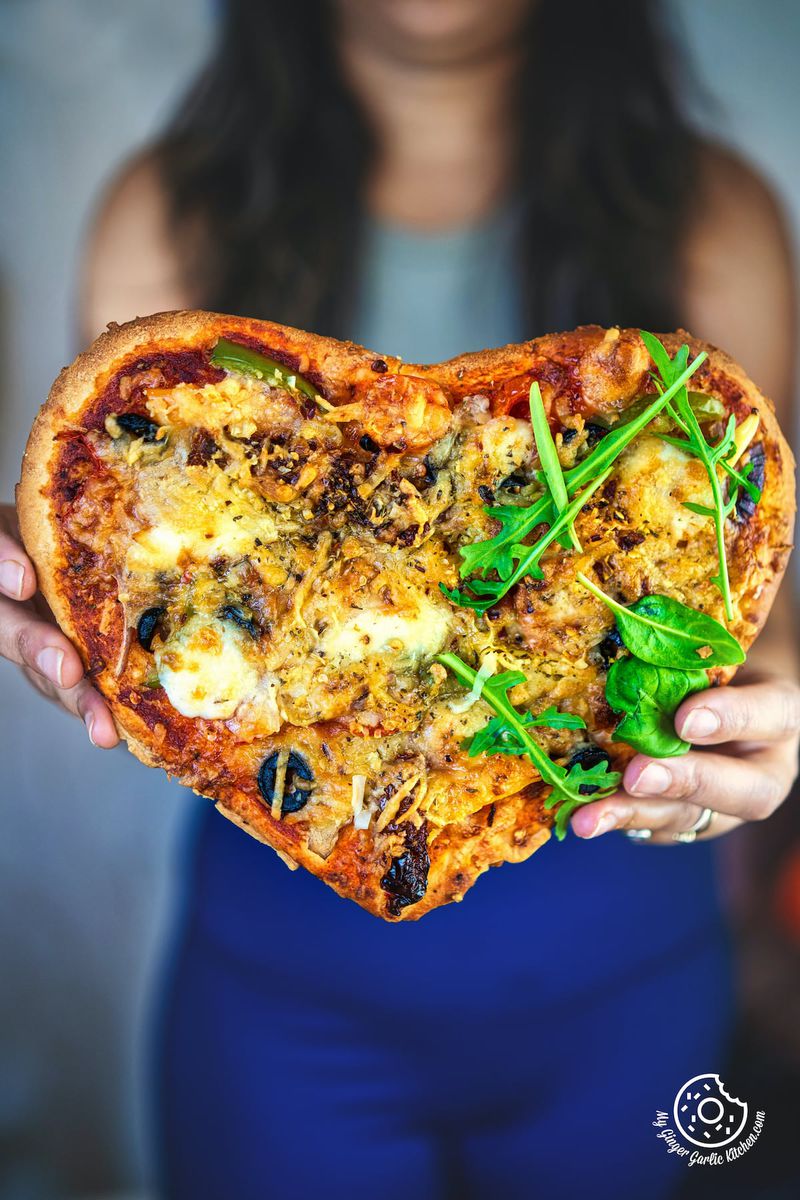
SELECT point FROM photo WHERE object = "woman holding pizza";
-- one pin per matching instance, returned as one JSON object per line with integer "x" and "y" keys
{"x": 433, "y": 178}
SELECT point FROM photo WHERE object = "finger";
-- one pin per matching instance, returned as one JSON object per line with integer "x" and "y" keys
{"x": 17, "y": 574}
{"x": 38, "y": 645}
{"x": 663, "y": 818}
{"x": 757, "y": 712}
{"x": 84, "y": 702}
{"x": 89, "y": 705}
{"x": 750, "y": 787}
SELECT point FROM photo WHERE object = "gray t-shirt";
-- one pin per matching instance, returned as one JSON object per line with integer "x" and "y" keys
{"x": 427, "y": 297}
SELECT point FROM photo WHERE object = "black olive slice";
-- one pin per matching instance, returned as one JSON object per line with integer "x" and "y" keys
{"x": 232, "y": 612}
{"x": 368, "y": 444}
{"x": 138, "y": 426}
{"x": 297, "y": 785}
{"x": 594, "y": 433}
{"x": 588, "y": 756}
{"x": 513, "y": 483}
{"x": 431, "y": 472}
{"x": 745, "y": 504}
{"x": 610, "y": 646}
{"x": 147, "y": 626}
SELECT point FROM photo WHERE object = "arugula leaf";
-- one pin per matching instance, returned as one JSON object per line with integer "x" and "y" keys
{"x": 488, "y": 591}
{"x": 666, "y": 633}
{"x": 508, "y": 733}
{"x": 548, "y": 457}
{"x": 517, "y": 522}
{"x": 713, "y": 456}
{"x": 648, "y": 697}
{"x": 705, "y": 408}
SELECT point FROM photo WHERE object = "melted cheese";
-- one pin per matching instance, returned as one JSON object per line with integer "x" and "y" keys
{"x": 507, "y": 443}
{"x": 418, "y": 632}
{"x": 204, "y": 670}
{"x": 660, "y": 478}
{"x": 195, "y": 515}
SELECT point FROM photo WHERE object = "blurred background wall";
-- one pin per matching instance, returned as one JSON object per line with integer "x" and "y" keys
{"x": 89, "y": 841}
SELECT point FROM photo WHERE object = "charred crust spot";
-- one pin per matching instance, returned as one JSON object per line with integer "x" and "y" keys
{"x": 406, "y": 880}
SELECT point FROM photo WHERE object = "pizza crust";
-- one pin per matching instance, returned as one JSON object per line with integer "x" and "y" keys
{"x": 507, "y": 831}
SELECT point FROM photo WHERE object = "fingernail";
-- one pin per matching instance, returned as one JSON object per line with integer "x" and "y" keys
{"x": 700, "y": 723}
{"x": 12, "y": 576}
{"x": 88, "y": 721}
{"x": 50, "y": 662}
{"x": 653, "y": 780}
{"x": 606, "y": 822}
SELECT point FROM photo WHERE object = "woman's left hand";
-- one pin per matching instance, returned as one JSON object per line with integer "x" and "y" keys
{"x": 752, "y": 731}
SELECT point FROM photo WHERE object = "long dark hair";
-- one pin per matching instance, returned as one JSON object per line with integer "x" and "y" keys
{"x": 270, "y": 152}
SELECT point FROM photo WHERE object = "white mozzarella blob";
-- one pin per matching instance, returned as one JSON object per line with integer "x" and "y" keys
{"x": 416, "y": 632}
{"x": 184, "y": 517}
{"x": 204, "y": 671}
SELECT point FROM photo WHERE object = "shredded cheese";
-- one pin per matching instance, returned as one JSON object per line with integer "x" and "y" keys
{"x": 487, "y": 668}
{"x": 280, "y": 784}
{"x": 744, "y": 435}
{"x": 392, "y": 805}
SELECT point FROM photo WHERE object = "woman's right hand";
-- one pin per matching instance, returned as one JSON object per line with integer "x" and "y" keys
{"x": 30, "y": 637}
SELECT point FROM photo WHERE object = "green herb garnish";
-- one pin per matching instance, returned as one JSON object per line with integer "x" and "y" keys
{"x": 551, "y": 474}
{"x": 500, "y": 552}
{"x": 489, "y": 591}
{"x": 648, "y": 697}
{"x": 508, "y": 733}
{"x": 705, "y": 408}
{"x": 666, "y": 633}
{"x": 713, "y": 456}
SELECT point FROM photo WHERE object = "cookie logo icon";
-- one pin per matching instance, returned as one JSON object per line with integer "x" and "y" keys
{"x": 705, "y": 1114}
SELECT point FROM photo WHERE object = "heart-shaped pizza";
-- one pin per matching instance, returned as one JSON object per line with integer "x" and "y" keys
{"x": 398, "y": 621}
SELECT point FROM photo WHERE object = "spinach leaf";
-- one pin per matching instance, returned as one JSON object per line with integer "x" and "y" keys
{"x": 648, "y": 698}
{"x": 666, "y": 633}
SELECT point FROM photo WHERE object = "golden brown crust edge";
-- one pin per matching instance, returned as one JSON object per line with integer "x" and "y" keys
{"x": 472, "y": 848}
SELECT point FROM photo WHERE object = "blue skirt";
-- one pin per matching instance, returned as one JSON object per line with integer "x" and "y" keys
{"x": 515, "y": 1045}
